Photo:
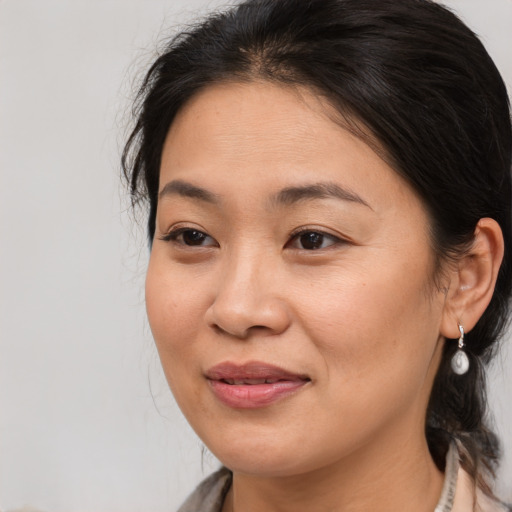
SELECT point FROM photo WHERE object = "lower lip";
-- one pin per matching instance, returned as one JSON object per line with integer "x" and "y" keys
{"x": 256, "y": 395}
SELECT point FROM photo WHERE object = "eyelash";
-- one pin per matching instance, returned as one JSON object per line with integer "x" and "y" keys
{"x": 303, "y": 231}
{"x": 175, "y": 234}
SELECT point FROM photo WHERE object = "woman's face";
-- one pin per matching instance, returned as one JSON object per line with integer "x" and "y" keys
{"x": 289, "y": 288}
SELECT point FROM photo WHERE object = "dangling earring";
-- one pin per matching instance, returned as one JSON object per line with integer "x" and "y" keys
{"x": 460, "y": 361}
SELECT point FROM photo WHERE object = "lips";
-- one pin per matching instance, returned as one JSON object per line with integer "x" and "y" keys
{"x": 253, "y": 385}
{"x": 249, "y": 382}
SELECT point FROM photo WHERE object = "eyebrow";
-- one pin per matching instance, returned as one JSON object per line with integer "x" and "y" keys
{"x": 291, "y": 195}
{"x": 287, "y": 196}
{"x": 185, "y": 189}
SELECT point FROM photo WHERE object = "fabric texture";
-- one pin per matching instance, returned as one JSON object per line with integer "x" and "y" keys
{"x": 458, "y": 493}
{"x": 209, "y": 495}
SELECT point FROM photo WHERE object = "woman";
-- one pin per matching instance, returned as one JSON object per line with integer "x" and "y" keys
{"x": 330, "y": 226}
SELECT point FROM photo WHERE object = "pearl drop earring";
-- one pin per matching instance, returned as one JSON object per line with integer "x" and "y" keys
{"x": 460, "y": 360}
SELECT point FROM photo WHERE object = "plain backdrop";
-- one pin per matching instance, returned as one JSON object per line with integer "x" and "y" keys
{"x": 86, "y": 420}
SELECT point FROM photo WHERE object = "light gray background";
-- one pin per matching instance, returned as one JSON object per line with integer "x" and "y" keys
{"x": 86, "y": 421}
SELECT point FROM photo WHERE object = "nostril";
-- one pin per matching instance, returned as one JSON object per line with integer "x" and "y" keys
{"x": 231, "y": 332}
{"x": 241, "y": 334}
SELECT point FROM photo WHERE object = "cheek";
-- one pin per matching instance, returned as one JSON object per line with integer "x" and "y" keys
{"x": 173, "y": 313}
{"x": 174, "y": 308}
{"x": 375, "y": 330}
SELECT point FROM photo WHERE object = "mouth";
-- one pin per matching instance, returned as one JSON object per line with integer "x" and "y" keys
{"x": 253, "y": 385}
{"x": 251, "y": 382}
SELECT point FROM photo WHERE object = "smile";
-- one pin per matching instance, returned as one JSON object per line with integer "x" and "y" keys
{"x": 252, "y": 385}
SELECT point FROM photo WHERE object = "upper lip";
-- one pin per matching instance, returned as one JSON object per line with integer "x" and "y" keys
{"x": 253, "y": 370}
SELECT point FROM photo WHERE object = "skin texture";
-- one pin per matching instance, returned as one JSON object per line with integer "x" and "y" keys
{"x": 359, "y": 315}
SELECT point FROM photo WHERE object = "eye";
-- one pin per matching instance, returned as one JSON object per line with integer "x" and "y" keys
{"x": 312, "y": 240}
{"x": 189, "y": 237}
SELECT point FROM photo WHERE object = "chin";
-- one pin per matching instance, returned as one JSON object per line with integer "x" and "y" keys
{"x": 270, "y": 454}
{"x": 247, "y": 452}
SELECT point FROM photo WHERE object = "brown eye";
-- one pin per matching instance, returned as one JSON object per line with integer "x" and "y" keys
{"x": 193, "y": 237}
{"x": 313, "y": 240}
{"x": 190, "y": 238}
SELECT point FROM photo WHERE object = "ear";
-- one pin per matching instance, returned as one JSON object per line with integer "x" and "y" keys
{"x": 472, "y": 280}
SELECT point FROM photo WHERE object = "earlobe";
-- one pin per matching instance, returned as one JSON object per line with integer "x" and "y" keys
{"x": 473, "y": 279}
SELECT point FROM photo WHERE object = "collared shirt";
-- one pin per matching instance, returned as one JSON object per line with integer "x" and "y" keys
{"x": 458, "y": 494}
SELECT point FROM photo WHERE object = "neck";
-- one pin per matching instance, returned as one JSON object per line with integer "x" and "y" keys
{"x": 393, "y": 476}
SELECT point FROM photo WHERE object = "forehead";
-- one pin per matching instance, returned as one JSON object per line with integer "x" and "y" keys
{"x": 261, "y": 133}
{"x": 226, "y": 115}
{"x": 262, "y": 106}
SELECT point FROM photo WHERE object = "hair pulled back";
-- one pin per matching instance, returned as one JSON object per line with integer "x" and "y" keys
{"x": 423, "y": 86}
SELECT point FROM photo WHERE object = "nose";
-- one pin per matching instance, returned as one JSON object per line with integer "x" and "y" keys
{"x": 247, "y": 300}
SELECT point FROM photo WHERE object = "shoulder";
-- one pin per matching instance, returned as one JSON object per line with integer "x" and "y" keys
{"x": 209, "y": 494}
